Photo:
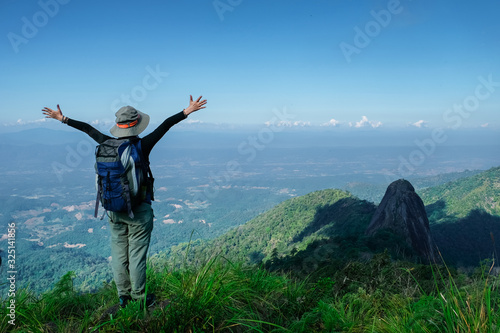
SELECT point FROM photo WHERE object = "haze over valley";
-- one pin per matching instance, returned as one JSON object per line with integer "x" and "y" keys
{"x": 206, "y": 184}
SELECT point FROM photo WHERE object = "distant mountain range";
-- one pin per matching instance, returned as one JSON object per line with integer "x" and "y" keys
{"x": 328, "y": 226}
{"x": 232, "y": 135}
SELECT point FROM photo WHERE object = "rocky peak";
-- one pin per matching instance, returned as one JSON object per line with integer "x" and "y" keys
{"x": 402, "y": 212}
{"x": 400, "y": 185}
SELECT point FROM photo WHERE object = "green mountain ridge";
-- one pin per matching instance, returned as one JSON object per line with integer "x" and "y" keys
{"x": 464, "y": 217}
{"x": 289, "y": 227}
{"x": 456, "y": 199}
{"x": 345, "y": 286}
{"x": 334, "y": 221}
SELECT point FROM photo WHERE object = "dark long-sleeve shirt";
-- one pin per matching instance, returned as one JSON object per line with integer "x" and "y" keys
{"x": 148, "y": 141}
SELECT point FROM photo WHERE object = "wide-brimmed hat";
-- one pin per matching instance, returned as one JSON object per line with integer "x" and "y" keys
{"x": 129, "y": 122}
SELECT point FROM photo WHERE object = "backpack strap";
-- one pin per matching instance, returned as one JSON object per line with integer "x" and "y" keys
{"x": 150, "y": 185}
{"x": 146, "y": 171}
{"x": 126, "y": 186}
{"x": 97, "y": 199}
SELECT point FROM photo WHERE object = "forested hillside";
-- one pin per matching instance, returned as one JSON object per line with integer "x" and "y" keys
{"x": 458, "y": 198}
{"x": 333, "y": 222}
{"x": 287, "y": 229}
{"x": 306, "y": 265}
{"x": 465, "y": 217}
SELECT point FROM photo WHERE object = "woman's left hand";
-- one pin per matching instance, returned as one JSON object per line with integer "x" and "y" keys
{"x": 49, "y": 113}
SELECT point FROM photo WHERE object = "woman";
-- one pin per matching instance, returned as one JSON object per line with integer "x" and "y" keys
{"x": 130, "y": 236}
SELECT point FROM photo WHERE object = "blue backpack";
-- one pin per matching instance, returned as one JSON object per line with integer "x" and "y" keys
{"x": 124, "y": 179}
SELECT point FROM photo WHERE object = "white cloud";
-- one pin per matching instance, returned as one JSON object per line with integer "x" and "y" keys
{"x": 365, "y": 122}
{"x": 420, "y": 124}
{"x": 27, "y": 122}
{"x": 301, "y": 123}
{"x": 283, "y": 123}
{"x": 105, "y": 122}
{"x": 194, "y": 121}
{"x": 332, "y": 123}
{"x": 485, "y": 125}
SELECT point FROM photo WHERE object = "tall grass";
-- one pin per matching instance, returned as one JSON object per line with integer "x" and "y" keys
{"x": 473, "y": 308}
{"x": 217, "y": 295}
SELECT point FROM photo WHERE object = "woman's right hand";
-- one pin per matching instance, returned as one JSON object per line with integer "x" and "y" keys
{"x": 194, "y": 105}
{"x": 49, "y": 113}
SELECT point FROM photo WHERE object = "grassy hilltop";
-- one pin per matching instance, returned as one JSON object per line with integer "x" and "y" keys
{"x": 378, "y": 295}
{"x": 304, "y": 266}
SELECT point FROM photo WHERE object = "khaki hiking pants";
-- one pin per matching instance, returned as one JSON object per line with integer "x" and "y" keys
{"x": 129, "y": 247}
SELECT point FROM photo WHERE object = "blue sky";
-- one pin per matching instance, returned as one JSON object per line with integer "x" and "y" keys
{"x": 343, "y": 63}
